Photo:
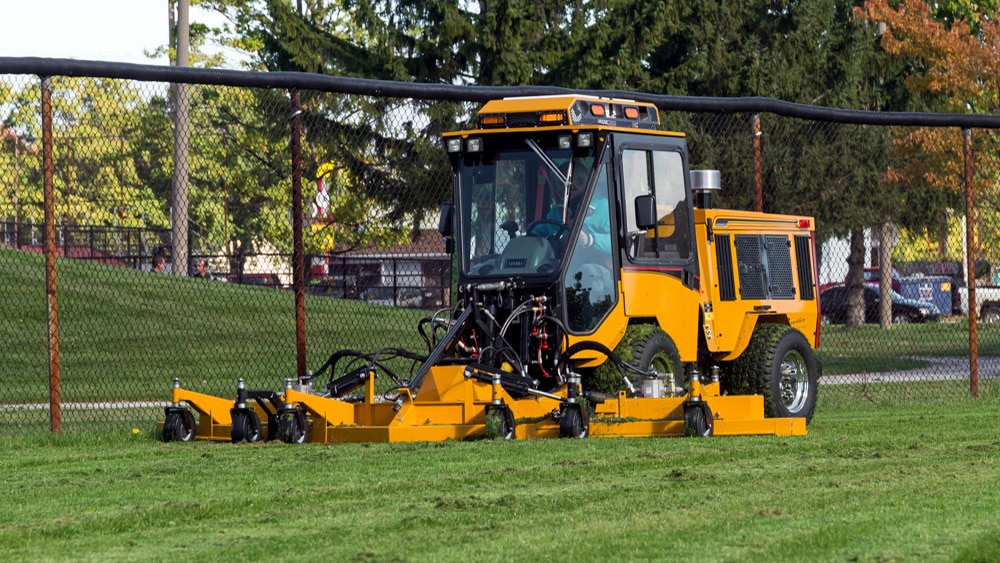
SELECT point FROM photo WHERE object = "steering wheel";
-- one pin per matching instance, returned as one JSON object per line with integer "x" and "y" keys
{"x": 561, "y": 228}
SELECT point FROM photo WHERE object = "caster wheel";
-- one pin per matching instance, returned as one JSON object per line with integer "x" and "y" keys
{"x": 178, "y": 425}
{"x": 698, "y": 420}
{"x": 574, "y": 422}
{"x": 292, "y": 427}
{"x": 246, "y": 426}
{"x": 500, "y": 423}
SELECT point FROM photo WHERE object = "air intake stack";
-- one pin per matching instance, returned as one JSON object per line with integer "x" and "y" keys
{"x": 703, "y": 184}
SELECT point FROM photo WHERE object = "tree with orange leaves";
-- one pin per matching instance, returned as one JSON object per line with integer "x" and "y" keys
{"x": 954, "y": 51}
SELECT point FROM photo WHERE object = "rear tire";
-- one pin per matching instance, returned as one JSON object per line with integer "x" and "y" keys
{"x": 990, "y": 315}
{"x": 780, "y": 365}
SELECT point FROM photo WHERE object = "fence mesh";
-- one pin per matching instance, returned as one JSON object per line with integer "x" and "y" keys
{"x": 374, "y": 175}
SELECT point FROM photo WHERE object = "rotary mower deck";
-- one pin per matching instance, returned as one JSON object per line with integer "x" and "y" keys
{"x": 460, "y": 402}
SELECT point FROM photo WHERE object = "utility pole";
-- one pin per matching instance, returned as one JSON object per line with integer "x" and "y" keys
{"x": 179, "y": 186}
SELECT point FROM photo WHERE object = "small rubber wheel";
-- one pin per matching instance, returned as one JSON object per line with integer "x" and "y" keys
{"x": 169, "y": 425}
{"x": 178, "y": 426}
{"x": 292, "y": 427}
{"x": 500, "y": 423}
{"x": 246, "y": 426}
{"x": 698, "y": 421}
{"x": 574, "y": 422}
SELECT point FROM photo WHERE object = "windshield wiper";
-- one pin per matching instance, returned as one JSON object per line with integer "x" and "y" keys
{"x": 564, "y": 178}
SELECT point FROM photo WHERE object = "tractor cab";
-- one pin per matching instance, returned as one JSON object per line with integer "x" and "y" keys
{"x": 533, "y": 207}
{"x": 554, "y": 195}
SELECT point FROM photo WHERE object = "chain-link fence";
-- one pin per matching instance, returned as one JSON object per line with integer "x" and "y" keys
{"x": 95, "y": 330}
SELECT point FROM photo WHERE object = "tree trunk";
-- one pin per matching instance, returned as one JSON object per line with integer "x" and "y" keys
{"x": 855, "y": 280}
{"x": 885, "y": 276}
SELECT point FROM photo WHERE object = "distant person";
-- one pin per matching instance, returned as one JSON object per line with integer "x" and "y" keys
{"x": 159, "y": 264}
{"x": 201, "y": 269}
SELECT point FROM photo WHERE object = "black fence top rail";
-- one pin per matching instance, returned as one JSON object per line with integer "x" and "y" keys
{"x": 45, "y": 67}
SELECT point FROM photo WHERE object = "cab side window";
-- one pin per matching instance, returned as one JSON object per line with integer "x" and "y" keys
{"x": 659, "y": 173}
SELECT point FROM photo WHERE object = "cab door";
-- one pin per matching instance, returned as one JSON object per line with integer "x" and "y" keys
{"x": 659, "y": 261}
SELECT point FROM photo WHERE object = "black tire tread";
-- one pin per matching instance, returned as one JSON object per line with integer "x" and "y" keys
{"x": 751, "y": 372}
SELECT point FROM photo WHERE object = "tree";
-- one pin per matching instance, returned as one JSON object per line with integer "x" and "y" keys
{"x": 954, "y": 50}
{"x": 96, "y": 179}
{"x": 809, "y": 52}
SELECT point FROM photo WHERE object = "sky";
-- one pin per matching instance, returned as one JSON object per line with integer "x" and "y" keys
{"x": 95, "y": 30}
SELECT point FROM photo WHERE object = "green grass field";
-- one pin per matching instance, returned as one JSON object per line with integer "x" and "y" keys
{"x": 893, "y": 483}
{"x": 880, "y": 476}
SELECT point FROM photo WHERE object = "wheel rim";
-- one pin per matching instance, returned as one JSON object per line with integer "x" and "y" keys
{"x": 252, "y": 428}
{"x": 794, "y": 383}
{"x": 661, "y": 363}
{"x": 184, "y": 430}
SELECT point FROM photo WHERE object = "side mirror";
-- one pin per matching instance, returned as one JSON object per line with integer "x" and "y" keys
{"x": 445, "y": 226}
{"x": 645, "y": 212}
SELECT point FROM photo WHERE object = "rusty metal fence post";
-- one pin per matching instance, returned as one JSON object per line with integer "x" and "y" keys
{"x": 298, "y": 259}
{"x": 758, "y": 166}
{"x": 55, "y": 406}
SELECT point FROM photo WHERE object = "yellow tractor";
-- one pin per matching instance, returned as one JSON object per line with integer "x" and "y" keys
{"x": 599, "y": 293}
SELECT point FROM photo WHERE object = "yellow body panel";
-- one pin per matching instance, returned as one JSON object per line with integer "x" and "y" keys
{"x": 214, "y": 418}
{"x": 609, "y": 332}
{"x": 656, "y": 295}
{"x": 729, "y": 325}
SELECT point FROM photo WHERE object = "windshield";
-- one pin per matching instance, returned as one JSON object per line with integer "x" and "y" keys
{"x": 519, "y": 199}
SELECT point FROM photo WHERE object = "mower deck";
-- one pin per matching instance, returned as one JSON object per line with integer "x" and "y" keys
{"x": 453, "y": 404}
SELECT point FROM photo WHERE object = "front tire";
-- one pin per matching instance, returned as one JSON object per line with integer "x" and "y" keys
{"x": 990, "y": 315}
{"x": 645, "y": 347}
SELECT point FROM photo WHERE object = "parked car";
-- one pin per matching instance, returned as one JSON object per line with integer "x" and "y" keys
{"x": 265, "y": 280}
{"x": 402, "y": 297}
{"x": 873, "y": 277}
{"x": 833, "y": 307}
{"x": 344, "y": 287}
